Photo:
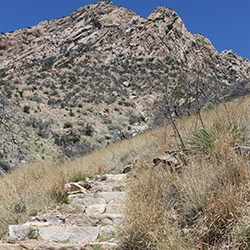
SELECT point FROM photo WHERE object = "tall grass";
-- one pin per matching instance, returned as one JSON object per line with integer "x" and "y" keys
{"x": 206, "y": 204}
{"x": 146, "y": 223}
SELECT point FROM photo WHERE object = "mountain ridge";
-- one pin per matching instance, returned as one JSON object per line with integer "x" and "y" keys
{"x": 100, "y": 74}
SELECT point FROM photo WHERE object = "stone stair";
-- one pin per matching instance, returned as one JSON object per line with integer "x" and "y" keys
{"x": 89, "y": 221}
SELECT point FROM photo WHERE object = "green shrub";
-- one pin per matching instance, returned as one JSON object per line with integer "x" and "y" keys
{"x": 26, "y": 109}
{"x": 61, "y": 198}
{"x": 68, "y": 124}
{"x": 202, "y": 140}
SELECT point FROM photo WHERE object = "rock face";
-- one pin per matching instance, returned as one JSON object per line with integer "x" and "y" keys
{"x": 95, "y": 76}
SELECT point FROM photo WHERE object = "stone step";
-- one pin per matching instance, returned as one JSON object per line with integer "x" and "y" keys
{"x": 63, "y": 234}
{"x": 5, "y": 246}
{"x": 90, "y": 217}
{"x": 112, "y": 197}
{"x": 69, "y": 234}
{"x": 59, "y": 246}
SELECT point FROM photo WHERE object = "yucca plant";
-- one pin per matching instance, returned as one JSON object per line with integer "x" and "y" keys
{"x": 202, "y": 140}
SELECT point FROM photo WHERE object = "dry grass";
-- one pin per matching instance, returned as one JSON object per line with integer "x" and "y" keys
{"x": 40, "y": 186}
{"x": 28, "y": 189}
{"x": 146, "y": 223}
{"x": 166, "y": 210}
{"x": 206, "y": 205}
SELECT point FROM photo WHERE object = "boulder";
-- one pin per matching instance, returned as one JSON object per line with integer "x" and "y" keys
{"x": 243, "y": 150}
{"x": 166, "y": 159}
{"x": 18, "y": 232}
{"x": 96, "y": 209}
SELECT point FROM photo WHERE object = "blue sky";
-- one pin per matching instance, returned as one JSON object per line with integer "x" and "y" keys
{"x": 225, "y": 22}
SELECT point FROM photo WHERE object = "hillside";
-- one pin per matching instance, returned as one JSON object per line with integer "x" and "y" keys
{"x": 199, "y": 202}
{"x": 101, "y": 75}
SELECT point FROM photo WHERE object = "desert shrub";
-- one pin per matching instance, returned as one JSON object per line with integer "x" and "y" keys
{"x": 26, "y": 109}
{"x": 53, "y": 101}
{"x": 47, "y": 63}
{"x": 68, "y": 124}
{"x": 88, "y": 130}
{"x": 41, "y": 126}
{"x": 72, "y": 144}
{"x": 71, "y": 113}
{"x": 2, "y": 73}
{"x": 136, "y": 119}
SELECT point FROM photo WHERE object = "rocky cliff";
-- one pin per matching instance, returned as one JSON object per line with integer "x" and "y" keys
{"x": 97, "y": 75}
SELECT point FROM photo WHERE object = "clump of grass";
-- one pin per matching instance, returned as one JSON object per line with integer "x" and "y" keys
{"x": 103, "y": 178}
{"x": 61, "y": 198}
{"x": 147, "y": 222}
{"x": 78, "y": 176}
{"x": 32, "y": 234}
{"x": 242, "y": 234}
{"x": 33, "y": 212}
{"x": 28, "y": 189}
{"x": 198, "y": 208}
{"x": 202, "y": 140}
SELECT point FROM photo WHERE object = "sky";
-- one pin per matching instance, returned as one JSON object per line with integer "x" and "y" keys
{"x": 225, "y": 22}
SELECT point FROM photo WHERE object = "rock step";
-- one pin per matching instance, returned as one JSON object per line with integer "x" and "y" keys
{"x": 59, "y": 246}
{"x": 65, "y": 234}
{"x": 98, "y": 198}
{"x": 69, "y": 234}
{"x": 90, "y": 220}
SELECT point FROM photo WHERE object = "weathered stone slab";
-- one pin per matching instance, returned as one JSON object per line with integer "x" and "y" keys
{"x": 94, "y": 200}
{"x": 110, "y": 219}
{"x": 96, "y": 209}
{"x": 50, "y": 246}
{"x": 107, "y": 232}
{"x": 112, "y": 197}
{"x": 116, "y": 177}
{"x": 18, "y": 232}
{"x": 114, "y": 208}
{"x": 69, "y": 234}
{"x": 10, "y": 247}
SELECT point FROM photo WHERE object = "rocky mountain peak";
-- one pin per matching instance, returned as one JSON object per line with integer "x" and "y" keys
{"x": 95, "y": 76}
{"x": 163, "y": 13}
{"x": 167, "y": 16}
